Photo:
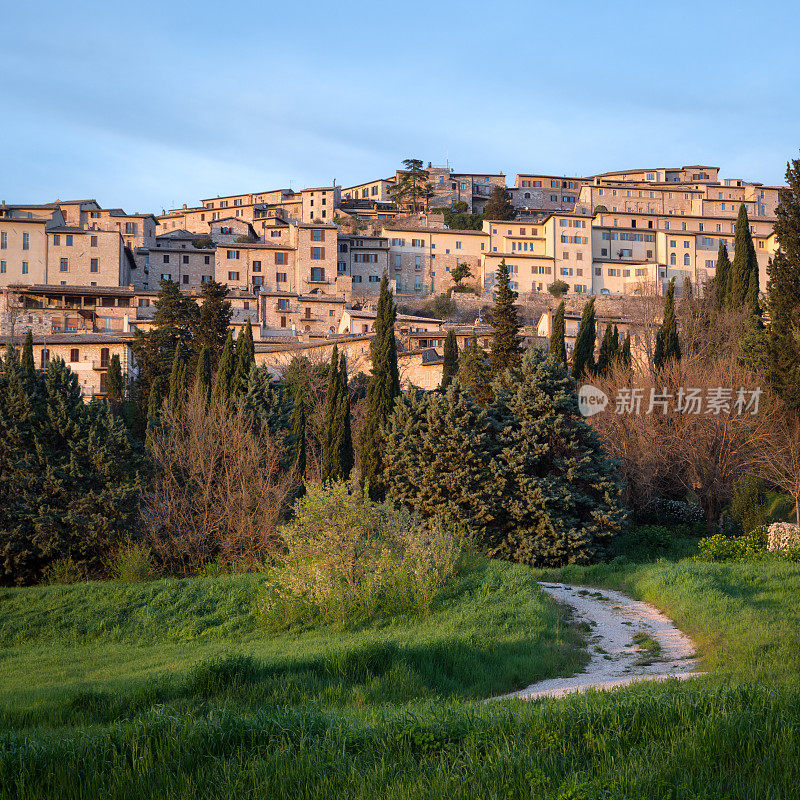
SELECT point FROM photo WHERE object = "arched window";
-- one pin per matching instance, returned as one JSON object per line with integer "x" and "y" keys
{"x": 672, "y": 259}
{"x": 527, "y": 195}
{"x": 686, "y": 260}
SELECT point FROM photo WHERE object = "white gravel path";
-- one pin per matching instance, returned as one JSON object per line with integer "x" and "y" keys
{"x": 614, "y": 618}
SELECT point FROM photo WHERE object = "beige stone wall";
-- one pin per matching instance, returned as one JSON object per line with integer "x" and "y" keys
{"x": 94, "y": 257}
{"x": 19, "y": 265}
{"x": 189, "y": 267}
{"x": 318, "y": 314}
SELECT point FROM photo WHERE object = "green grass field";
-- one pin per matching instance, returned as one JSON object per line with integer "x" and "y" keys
{"x": 172, "y": 690}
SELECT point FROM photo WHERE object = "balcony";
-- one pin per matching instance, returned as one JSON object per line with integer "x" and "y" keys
{"x": 100, "y": 365}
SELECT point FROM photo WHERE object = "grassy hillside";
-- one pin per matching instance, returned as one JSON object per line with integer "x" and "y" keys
{"x": 251, "y": 726}
{"x": 103, "y": 651}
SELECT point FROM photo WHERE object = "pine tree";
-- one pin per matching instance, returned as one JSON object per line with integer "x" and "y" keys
{"x": 411, "y": 190}
{"x": 558, "y": 349}
{"x": 223, "y": 381}
{"x": 202, "y": 380}
{"x": 583, "y": 353}
{"x": 506, "y": 350}
{"x": 783, "y": 294}
{"x": 245, "y": 359}
{"x": 450, "y": 365}
{"x": 115, "y": 387}
{"x": 744, "y": 270}
{"x": 27, "y": 362}
{"x": 499, "y": 205}
{"x": 722, "y": 276}
{"x": 473, "y": 372}
{"x": 668, "y": 346}
{"x": 382, "y": 390}
{"x": 562, "y": 499}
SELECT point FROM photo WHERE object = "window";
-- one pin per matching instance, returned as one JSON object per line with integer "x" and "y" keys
{"x": 94, "y": 265}
{"x": 64, "y": 265}
{"x": 232, "y": 255}
{"x": 317, "y": 273}
{"x": 206, "y": 259}
{"x": 186, "y": 259}
{"x": 93, "y": 241}
{"x": 3, "y": 240}
{"x": 398, "y": 261}
{"x": 130, "y": 227}
{"x": 283, "y": 322}
{"x": 104, "y": 358}
{"x": 256, "y": 266}
{"x": 280, "y": 277}
{"x": 56, "y": 239}
{"x": 257, "y": 281}
{"x": 186, "y": 279}
{"x": 2, "y": 267}
{"x": 274, "y": 234}
{"x": 26, "y": 241}
{"x": 686, "y": 259}
{"x": 417, "y": 262}
{"x": 233, "y": 276}
{"x": 74, "y": 355}
{"x": 317, "y": 235}
{"x": 280, "y": 258}
{"x": 283, "y": 304}
{"x": 318, "y": 253}
{"x": 672, "y": 260}
{"x": 69, "y": 240}
{"x": 374, "y": 278}
{"x": 417, "y": 243}
{"x": 165, "y": 258}
{"x": 166, "y": 276}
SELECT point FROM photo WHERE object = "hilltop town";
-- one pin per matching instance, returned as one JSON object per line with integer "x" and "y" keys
{"x": 304, "y": 267}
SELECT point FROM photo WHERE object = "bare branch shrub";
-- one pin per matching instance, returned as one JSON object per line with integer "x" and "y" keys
{"x": 777, "y": 455}
{"x": 218, "y": 491}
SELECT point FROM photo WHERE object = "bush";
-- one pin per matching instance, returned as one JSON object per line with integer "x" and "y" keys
{"x": 748, "y": 504}
{"x": 783, "y": 536}
{"x": 662, "y": 511}
{"x": 749, "y": 547}
{"x": 347, "y": 559}
{"x": 131, "y": 562}
{"x": 63, "y": 570}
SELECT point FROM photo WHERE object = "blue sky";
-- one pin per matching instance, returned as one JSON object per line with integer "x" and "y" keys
{"x": 154, "y": 104}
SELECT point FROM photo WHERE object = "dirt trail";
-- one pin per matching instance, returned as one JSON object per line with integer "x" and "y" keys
{"x": 663, "y": 651}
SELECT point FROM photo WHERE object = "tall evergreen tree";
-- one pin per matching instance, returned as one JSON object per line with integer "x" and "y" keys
{"x": 583, "y": 353}
{"x": 202, "y": 379}
{"x": 412, "y": 189}
{"x": 608, "y": 350}
{"x": 223, "y": 381}
{"x": 115, "y": 387}
{"x": 382, "y": 390}
{"x": 783, "y": 294}
{"x": 298, "y": 428}
{"x": 450, "y": 365}
{"x": 558, "y": 349}
{"x": 158, "y": 392}
{"x": 27, "y": 362}
{"x": 337, "y": 442}
{"x": 668, "y": 347}
{"x": 245, "y": 359}
{"x": 625, "y": 356}
{"x": 331, "y": 396}
{"x": 506, "y": 350}
{"x": 499, "y": 205}
{"x": 474, "y": 372}
{"x": 214, "y": 320}
{"x": 722, "y": 276}
{"x": 344, "y": 433}
{"x": 743, "y": 285}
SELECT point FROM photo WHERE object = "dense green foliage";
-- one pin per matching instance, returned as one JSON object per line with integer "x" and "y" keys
{"x": 499, "y": 205}
{"x": 474, "y": 372}
{"x": 526, "y": 474}
{"x": 450, "y": 365}
{"x": 412, "y": 190}
{"x": 749, "y": 502}
{"x": 69, "y": 473}
{"x": 743, "y": 280}
{"x": 783, "y": 293}
{"x": 337, "y": 442}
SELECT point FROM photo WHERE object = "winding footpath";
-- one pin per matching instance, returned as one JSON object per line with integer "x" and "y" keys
{"x": 616, "y": 660}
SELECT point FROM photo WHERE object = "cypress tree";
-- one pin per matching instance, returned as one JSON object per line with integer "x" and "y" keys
{"x": 473, "y": 372}
{"x": 450, "y": 366}
{"x": 328, "y": 438}
{"x": 783, "y": 293}
{"x": 583, "y": 354}
{"x": 245, "y": 359}
{"x": 298, "y": 428}
{"x": 202, "y": 380}
{"x": 154, "y": 403}
{"x": 505, "y": 351}
{"x": 668, "y": 346}
{"x": 346, "y": 456}
{"x": 214, "y": 319}
{"x": 115, "y": 388}
{"x": 27, "y": 363}
{"x": 558, "y": 349}
{"x": 608, "y": 351}
{"x": 744, "y": 270}
{"x": 722, "y": 276}
{"x": 177, "y": 382}
{"x": 625, "y": 357}
{"x": 225, "y": 372}
{"x": 382, "y": 390}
